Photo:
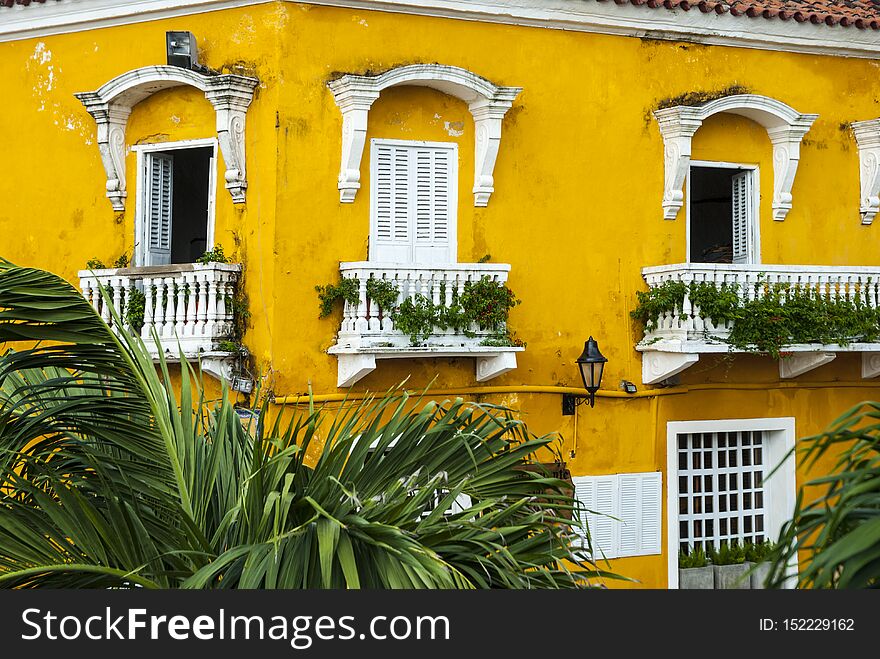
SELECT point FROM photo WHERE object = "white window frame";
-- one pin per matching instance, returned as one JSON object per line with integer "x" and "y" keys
{"x": 139, "y": 224}
{"x": 754, "y": 228}
{"x": 779, "y": 489}
{"x": 453, "y": 193}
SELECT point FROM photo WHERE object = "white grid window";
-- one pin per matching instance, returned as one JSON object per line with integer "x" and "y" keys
{"x": 721, "y": 488}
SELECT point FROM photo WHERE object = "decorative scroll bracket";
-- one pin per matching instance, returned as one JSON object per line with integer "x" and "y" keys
{"x": 867, "y": 135}
{"x": 677, "y": 128}
{"x": 802, "y": 362}
{"x": 785, "y": 127}
{"x": 870, "y": 365}
{"x": 111, "y": 105}
{"x": 111, "y": 121}
{"x": 658, "y": 366}
{"x": 487, "y": 102}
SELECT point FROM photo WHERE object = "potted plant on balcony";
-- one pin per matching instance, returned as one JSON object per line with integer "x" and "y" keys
{"x": 731, "y": 571}
{"x": 694, "y": 571}
{"x": 756, "y": 558}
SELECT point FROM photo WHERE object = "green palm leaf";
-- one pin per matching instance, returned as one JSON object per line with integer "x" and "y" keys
{"x": 112, "y": 477}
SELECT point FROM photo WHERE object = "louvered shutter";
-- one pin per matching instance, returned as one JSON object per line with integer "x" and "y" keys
{"x": 433, "y": 204}
{"x": 412, "y": 202}
{"x": 626, "y": 513}
{"x": 639, "y": 511}
{"x": 597, "y": 494}
{"x": 742, "y": 216}
{"x": 158, "y": 177}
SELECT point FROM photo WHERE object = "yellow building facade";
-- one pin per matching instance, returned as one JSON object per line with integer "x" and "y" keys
{"x": 579, "y": 200}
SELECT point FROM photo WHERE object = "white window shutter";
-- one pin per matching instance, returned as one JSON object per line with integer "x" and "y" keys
{"x": 433, "y": 203}
{"x": 742, "y": 216}
{"x": 597, "y": 494}
{"x": 159, "y": 177}
{"x": 652, "y": 512}
{"x": 629, "y": 492}
{"x": 639, "y": 513}
{"x": 413, "y": 202}
{"x": 626, "y": 513}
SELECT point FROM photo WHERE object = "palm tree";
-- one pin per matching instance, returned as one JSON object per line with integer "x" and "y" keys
{"x": 112, "y": 477}
{"x": 836, "y": 532}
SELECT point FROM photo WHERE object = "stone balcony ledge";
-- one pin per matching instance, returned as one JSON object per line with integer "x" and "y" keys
{"x": 680, "y": 336}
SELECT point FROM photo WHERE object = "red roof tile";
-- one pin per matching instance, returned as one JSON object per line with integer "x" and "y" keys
{"x": 9, "y": 3}
{"x": 863, "y": 14}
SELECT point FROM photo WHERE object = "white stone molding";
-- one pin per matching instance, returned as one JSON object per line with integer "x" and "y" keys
{"x": 870, "y": 365}
{"x": 110, "y": 106}
{"x": 588, "y": 17}
{"x": 658, "y": 366}
{"x": 487, "y": 102}
{"x": 492, "y": 366}
{"x": 785, "y": 127}
{"x": 801, "y": 362}
{"x": 867, "y": 135}
{"x": 353, "y": 367}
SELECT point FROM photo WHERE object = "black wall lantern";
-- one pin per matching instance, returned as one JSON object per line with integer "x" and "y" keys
{"x": 591, "y": 364}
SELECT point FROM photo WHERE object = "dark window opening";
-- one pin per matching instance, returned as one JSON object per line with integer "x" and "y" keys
{"x": 176, "y": 205}
{"x": 720, "y": 215}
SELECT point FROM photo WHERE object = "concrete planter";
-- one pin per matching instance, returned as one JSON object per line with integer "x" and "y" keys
{"x": 696, "y": 578}
{"x": 731, "y": 577}
{"x": 759, "y": 576}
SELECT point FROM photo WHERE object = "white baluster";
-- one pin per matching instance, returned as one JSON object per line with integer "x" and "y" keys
{"x": 211, "y": 311}
{"x": 189, "y": 279}
{"x": 168, "y": 319}
{"x": 148, "y": 310}
{"x": 361, "y": 323}
{"x": 202, "y": 308}
{"x": 180, "y": 317}
{"x": 373, "y": 322}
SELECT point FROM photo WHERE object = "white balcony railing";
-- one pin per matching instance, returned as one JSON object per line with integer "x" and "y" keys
{"x": 188, "y": 305}
{"x": 368, "y": 333}
{"x": 680, "y": 335}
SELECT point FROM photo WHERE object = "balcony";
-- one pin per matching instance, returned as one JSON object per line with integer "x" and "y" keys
{"x": 188, "y": 306}
{"x": 367, "y": 332}
{"x": 679, "y": 336}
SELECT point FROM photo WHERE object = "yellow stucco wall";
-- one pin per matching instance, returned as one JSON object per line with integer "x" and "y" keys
{"x": 576, "y": 210}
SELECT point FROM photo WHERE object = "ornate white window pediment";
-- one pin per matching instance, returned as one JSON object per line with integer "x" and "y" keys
{"x": 487, "y": 102}
{"x": 785, "y": 126}
{"x": 112, "y": 103}
{"x": 868, "y": 140}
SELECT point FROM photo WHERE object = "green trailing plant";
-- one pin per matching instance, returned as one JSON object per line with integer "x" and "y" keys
{"x": 214, "y": 255}
{"x": 347, "y": 290}
{"x": 696, "y": 557}
{"x": 757, "y": 552}
{"x": 487, "y": 303}
{"x": 657, "y": 300}
{"x": 239, "y": 305}
{"x": 484, "y": 303}
{"x": 95, "y": 264}
{"x": 835, "y": 525}
{"x": 729, "y": 553}
{"x": 503, "y": 338}
{"x": 781, "y": 315}
{"x": 228, "y": 346}
{"x": 113, "y": 477}
{"x": 383, "y": 292}
{"x": 417, "y": 317}
{"x": 123, "y": 261}
{"x": 135, "y": 304}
